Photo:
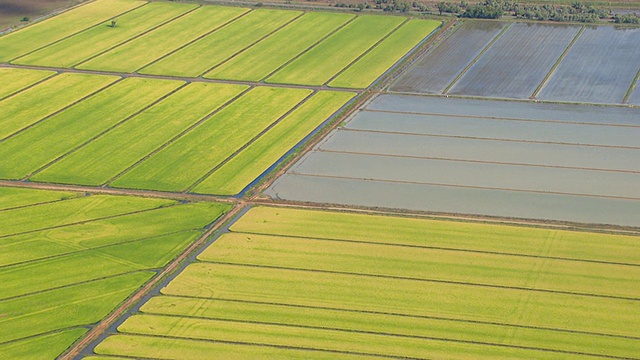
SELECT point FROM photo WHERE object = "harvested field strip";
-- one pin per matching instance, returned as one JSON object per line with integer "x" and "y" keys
{"x": 325, "y": 60}
{"x": 123, "y": 146}
{"x": 279, "y": 48}
{"x": 495, "y": 129}
{"x": 79, "y": 304}
{"x": 438, "y": 68}
{"x": 46, "y": 141}
{"x": 325, "y": 339}
{"x": 427, "y": 264}
{"x": 143, "y": 50}
{"x": 410, "y": 297}
{"x": 59, "y": 27}
{"x": 191, "y": 157}
{"x": 374, "y": 63}
{"x": 44, "y": 99}
{"x": 525, "y": 65}
{"x": 390, "y": 325}
{"x": 238, "y": 172}
{"x": 202, "y": 55}
{"x": 14, "y": 80}
{"x": 441, "y": 234}
{"x": 16, "y": 197}
{"x": 172, "y": 348}
{"x": 47, "y": 346}
{"x": 94, "y": 41}
{"x": 72, "y": 211}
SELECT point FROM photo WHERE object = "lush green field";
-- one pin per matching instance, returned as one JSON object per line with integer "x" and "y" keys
{"x": 391, "y": 286}
{"x": 202, "y": 55}
{"x": 188, "y": 159}
{"x": 86, "y": 44}
{"x": 14, "y": 80}
{"x": 325, "y": 60}
{"x": 125, "y": 145}
{"x": 59, "y": 27}
{"x": 242, "y": 169}
{"x": 366, "y": 70}
{"x": 46, "y": 141}
{"x": 16, "y": 197}
{"x": 141, "y": 51}
{"x": 279, "y": 48}
{"x": 66, "y": 263}
{"x": 28, "y": 107}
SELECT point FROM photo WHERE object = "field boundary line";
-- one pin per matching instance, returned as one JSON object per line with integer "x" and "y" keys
{"x": 379, "y": 333}
{"x": 367, "y": 51}
{"x": 414, "y": 316}
{"x": 47, "y": 117}
{"x": 438, "y": 281}
{"x": 28, "y": 86}
{"x": 182, "y": 78}
{"x": 499, "y": 118}
{"x": 76, "y": 33}
{"x": 40, "y": 203}
{"x": 178, "y": 136}
{"x": 105, "y": 131}
{"x": 490, "y": 139}
{"x": 263, "y": 80}
{"x": 201, "y": 75}
{"x": 462, "y": 186}
{"x": 74, "y": 249}
{"x": 152, "y": 29}
{"x": 171, "y": 268}
{"x": 417, "y": 157}
{"x": 632, "y": 87}
{"x": 194, "y": 40}
{"x": 50, "y": 332}
{"x": 557, "y": 63}
{"x": 250, "y": 142}
{"x": 442, "y": 248}
{"x": 86, "y": 281}
{"x": 475, "y": 59}
{"x": 90, "y": 220}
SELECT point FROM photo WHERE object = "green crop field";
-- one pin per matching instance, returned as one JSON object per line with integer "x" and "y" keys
{"x": 202, "y": 55}
{"x": 238, "y": 172}
{"x": 125, "y": 145}
{"x": 141, "y": 51}
{"x": 46, "y": 141}
{"x": 187, "y": 160}
{"x": 280, "y": 47}
{"x": 86, "y": 44}
{"x": 14, "y": 80}
{"x": 67, "y": 259}
{"x": 384, "y": 55}
{"x": 59, "y": 27}
{"x": 28, "y": 107}
{"x": 319, "y": 64}
{"x": 335, "y": 282}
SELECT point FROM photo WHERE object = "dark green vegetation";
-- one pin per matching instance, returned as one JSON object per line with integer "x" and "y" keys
{"x": 68, "y": 259}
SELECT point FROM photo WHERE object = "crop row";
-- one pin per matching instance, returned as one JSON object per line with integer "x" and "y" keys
{"x": 170, "y": 136}
{"x": 386, "y": 286}
{"x": 66, "y": 260}
{"x": 187, "y": 40}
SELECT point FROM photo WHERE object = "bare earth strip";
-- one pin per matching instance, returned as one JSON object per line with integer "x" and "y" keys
{"x": 141, "y": 51}
{"x": 82, "y": 46}
{"x": 35, "y": 36}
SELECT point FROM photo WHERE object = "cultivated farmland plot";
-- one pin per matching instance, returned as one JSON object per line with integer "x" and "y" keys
{"x": 68, "y": 259}
{"x": 316, "y": 284}
{"x": 542, "y": 161}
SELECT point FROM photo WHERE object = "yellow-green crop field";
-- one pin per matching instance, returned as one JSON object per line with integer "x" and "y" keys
{"x": 294, "y": 283}
{"x": 67, "y": 260}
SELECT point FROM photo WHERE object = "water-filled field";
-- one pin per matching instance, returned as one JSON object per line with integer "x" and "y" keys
{"x": 498, "y": 158}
